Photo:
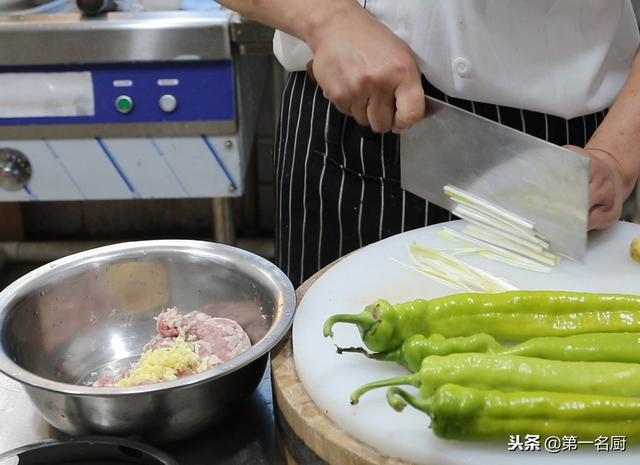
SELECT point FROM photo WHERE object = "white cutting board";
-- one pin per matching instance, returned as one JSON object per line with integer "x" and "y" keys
{"x": 371, "y": 273}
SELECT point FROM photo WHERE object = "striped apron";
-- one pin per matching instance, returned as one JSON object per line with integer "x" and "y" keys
{"x": 337, "y": 183}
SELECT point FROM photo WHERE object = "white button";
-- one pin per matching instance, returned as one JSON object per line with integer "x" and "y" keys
{"x": 168, "y": 103}
{"x": 168, "y": 82}
{"x": 123, "y": 83}
{"x": 461, "y": 67}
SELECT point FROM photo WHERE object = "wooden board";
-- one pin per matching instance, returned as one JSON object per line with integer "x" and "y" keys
{"x": 305, "y": 434}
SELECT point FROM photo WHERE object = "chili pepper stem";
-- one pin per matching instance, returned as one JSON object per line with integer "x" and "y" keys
{"x": 364, "y": 322}
{"x": 409, "y": 380}
{"x": 353, "y": 350}
{"x": 391, "y": 356}
{"x": 399, "y": 398}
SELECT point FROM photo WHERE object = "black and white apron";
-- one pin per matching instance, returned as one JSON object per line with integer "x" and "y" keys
{"x": 338, "y": 184}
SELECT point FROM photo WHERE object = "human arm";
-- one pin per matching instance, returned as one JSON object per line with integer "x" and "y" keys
{"x": 614, "y": 150}
{"x": 361, "y": 66}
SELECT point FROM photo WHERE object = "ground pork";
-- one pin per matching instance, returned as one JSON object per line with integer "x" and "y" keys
{"x": 217, "y": 340}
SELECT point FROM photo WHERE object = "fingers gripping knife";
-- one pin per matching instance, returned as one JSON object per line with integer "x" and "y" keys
{"x": 544, "y": 183}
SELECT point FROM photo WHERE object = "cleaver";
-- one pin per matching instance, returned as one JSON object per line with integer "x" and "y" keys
{"x": 539, "y": 181}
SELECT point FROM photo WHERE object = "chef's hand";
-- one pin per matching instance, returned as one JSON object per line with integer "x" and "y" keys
{"x": 367, "y": 71}
{"x": 606, "y": 188}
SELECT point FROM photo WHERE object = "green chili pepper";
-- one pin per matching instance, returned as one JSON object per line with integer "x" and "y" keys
{"x": 513, "y": 315}
{"x": 598, "y": 347}
{"x": 415, "y": 348}
{"x": 468, "y": 414}
{"x": 516, "y": 373}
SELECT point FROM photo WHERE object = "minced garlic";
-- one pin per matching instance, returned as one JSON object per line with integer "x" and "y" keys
{"x": 165, "y": 364}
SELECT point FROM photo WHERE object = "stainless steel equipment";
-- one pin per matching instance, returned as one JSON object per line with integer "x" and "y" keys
{"x": 246, "y": 437}
{"x": 65, "y": 324}
{"x": 15, "y": 170}
{"x": 537, "y": 180}
{"x": 132, "y": 105}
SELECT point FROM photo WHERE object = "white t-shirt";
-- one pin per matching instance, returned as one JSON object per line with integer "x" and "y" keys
{"x": 562, "y": 57}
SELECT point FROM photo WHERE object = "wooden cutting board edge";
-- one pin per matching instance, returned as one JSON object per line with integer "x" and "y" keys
{"x": 306, "y": 434}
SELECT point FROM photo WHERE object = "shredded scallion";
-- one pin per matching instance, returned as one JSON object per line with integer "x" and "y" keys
{"x": 453, "y": 272}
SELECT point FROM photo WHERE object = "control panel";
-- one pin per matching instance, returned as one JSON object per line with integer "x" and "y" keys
{"x": 119, "y": 94}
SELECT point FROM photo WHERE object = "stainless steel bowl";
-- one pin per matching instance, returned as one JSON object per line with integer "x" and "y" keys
{"x": 69, "y": 322}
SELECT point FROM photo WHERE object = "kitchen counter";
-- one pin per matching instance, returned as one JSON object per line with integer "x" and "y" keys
{"x": 247, "y": 437}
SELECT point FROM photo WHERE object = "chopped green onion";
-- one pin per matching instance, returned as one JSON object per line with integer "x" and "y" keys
{"x": 476, "y": 217}
{"x": 490, "y": 238}
{"x": 487, "y": 207}
{"x": 499, "y": 234}
{"x": 493, "y": 252}
{"x": 453, "y": 272}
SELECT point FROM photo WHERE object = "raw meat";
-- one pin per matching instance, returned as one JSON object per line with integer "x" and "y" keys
{"x": 216, "y": 340}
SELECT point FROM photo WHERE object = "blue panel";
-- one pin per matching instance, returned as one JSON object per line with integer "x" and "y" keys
{"x": 205, "y": 93}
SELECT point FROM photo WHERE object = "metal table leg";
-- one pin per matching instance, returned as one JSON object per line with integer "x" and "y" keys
{"x": 223, "y": 221}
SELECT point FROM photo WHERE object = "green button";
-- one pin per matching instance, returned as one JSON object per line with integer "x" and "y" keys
{"x": 124, "y": 104}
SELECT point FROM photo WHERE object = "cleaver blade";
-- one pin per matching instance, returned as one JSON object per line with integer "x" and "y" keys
{"x": 544, "y": 183}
